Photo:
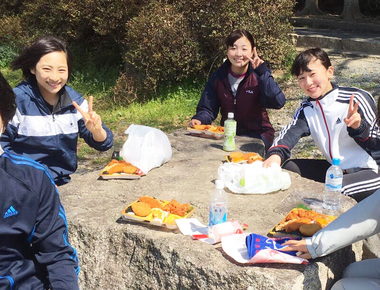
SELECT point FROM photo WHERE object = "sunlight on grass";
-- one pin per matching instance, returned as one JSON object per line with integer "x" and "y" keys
{"x": 167, "y": 114}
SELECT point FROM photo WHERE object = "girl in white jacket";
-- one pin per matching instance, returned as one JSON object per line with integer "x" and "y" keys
{"x": 326, "y": 116}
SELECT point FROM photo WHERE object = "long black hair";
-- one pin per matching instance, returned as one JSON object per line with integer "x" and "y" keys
{"x": 7, "y": 101}
{"x": 31, "y": 55}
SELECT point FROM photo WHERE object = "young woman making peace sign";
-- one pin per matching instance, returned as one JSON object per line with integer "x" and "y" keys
{"x": 51, "y": 115}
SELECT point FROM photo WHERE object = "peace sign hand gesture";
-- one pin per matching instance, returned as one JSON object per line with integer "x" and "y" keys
{"x": 256, "y": 60}
{"x": 353, "y": 118}
{"x": 92, "y": 121}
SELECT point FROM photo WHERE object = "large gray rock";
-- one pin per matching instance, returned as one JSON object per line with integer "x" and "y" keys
{"x": 116, "y": 254}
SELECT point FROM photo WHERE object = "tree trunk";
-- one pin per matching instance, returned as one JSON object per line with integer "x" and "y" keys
{"x": 311, "y": 8}
{"x": 351, "y": 10}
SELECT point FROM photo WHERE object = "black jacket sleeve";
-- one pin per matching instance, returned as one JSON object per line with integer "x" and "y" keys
{"x": 289, "y": 136}
{"x": 208, "y": 106}
{"x": 271, "y": 96}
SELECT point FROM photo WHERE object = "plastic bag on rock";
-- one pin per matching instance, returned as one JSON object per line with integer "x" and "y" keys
{"x": 146, "y": 147}
{"x": 253, "y": 178}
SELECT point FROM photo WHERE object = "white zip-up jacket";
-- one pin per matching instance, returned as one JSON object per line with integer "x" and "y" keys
{"x": 323, "y": 119}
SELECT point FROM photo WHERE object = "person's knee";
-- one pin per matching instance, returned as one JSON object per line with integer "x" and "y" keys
{"x": 356, "y": 283}
{"x": 368, "y": 268}
{"x": 338, "y": 285}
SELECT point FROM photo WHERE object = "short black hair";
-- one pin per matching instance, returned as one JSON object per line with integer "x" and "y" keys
{"x": 31, "y": 55}
{"x": 7, "y": 101}
{"x": 235, "y": 35}
{"x": 303, "y": 59}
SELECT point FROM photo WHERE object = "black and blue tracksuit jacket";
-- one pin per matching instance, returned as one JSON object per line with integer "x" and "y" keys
{"x": 34, "y": 249}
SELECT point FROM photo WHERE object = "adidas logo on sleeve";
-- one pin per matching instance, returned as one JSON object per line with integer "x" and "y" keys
{"x": 10, "y": 212}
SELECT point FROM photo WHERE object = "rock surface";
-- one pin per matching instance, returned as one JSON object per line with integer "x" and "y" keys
{"x": 119, "y": 254}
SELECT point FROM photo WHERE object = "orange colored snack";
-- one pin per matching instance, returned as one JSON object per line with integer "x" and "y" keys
{"x": 216, "y": 129}
{"x": 201, "y": 127}
{"x": 310, "y": 229}
{"x": 177, "y": 208}
{"x": 153, "y": 202}
{"x": 249, "y": 157}
{"x": 294, "y": 225}
{"x": 252, "y": 157}
{"x": 299, "y": 216}
{"x": 116, "y": 166}
{"x": 141, "y": 208}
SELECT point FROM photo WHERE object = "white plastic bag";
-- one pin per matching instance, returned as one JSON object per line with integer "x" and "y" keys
{"x": 146, "y": 147}
{"x": 253, "y": 178}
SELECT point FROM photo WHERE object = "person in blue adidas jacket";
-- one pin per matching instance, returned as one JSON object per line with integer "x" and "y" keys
{"x": 34, "y": 248}
{"x": 325, "y": 115}
{"x": 51, "y": 115}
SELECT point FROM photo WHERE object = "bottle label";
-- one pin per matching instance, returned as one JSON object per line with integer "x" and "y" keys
{"x": 334, "y": 183}
{"x": 230, "y": 128}
{"x": 229, "y": 135}
{"x": 333, "y": 187}
{"x": 218, "y": 213}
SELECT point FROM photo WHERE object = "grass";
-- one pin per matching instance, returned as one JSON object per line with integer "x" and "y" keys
{"x": 169, "y": 110}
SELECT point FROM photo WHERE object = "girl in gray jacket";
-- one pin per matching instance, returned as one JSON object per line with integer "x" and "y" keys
{"x": 358, "y": 223}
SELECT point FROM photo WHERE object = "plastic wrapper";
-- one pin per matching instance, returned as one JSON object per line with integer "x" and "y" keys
{"x": 146, "y": 147}
{"x": 253, "y": 178}
{"x": 235, "y": 247}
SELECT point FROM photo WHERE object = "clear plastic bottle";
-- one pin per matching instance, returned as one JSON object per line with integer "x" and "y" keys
{"x": 333, "y": 186}
{"x": 229, "y": 133}
{"x": 218, "y": 205}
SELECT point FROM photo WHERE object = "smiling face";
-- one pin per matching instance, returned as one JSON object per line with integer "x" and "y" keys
{"x": 237, "y": 55}
{"x": 316, "y": 82}
{"x": 51, "y": 73}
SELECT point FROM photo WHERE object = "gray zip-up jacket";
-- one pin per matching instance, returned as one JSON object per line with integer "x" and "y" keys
{"x": 358, "y": 223}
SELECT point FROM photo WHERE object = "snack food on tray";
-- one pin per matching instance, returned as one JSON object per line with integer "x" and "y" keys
{"x": 153, "y": 202}
{"x": 302, "y": 221}
{"x": 240, "y": 157}
{"x": 157, "y": 212}
{"x": 141, "y": 208}
{"x": 177, "y": 208}
{"x": 212, "y": 131}
{"x": 120, "y": 169}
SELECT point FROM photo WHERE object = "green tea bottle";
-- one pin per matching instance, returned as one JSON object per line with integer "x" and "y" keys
{"x": 229, "y": 133}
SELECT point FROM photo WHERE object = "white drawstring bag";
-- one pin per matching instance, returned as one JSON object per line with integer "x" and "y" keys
{"x": 146, "y": 147}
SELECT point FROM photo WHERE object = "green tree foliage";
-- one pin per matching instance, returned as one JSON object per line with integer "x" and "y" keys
{"x": 160, "y": 42}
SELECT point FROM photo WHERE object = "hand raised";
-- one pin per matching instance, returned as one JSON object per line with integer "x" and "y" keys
{"x": 353, "y": 118}
{"x": 256, "y": 60}
{"x": 92, "y": 121}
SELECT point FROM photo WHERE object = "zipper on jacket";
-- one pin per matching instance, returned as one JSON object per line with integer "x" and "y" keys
{"x": 327, "y": 128}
